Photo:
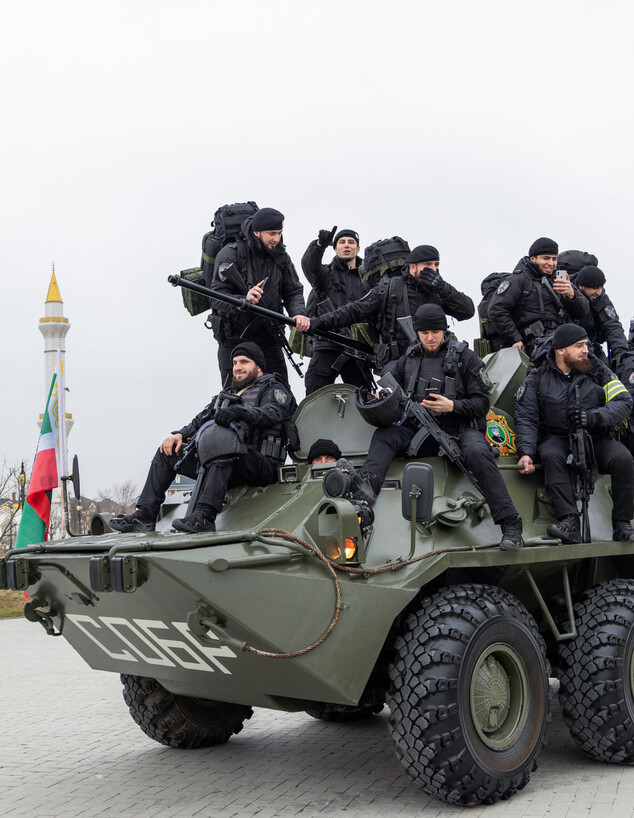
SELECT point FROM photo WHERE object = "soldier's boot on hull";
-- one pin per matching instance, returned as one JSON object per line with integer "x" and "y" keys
{"x": 142, "y": 520}
{"x": 622, "y": 531}
{"x": 203, "y": 518}
{"x": 345, "y": 481}
{"x": 567, "y": 530}
{"x": 511, "y": 534}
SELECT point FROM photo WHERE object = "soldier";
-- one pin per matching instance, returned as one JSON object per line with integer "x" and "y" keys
{"x": 334, "y": 285}
{"x": 400, "y": 296}
{"x": 239, "y": 439}
{"x": 266, "y": 277}
{"x": 436, "y": 356}
{"x": 602, "y": 322}
{"x": 572, "y": 388}
{"x": 533, "y": 302}
{"x": 323, "y": 451}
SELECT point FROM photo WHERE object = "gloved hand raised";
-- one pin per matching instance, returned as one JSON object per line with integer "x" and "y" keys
{"x": 325, "y": 237}
{"x": 228, "y": 415}
{"x": 431, "y": 279}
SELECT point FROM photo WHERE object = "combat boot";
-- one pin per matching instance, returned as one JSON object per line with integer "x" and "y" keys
{"x": 511, "y": 534}
{"x": 203, "y": 518}
{"x": 141, "y": 520}
{"x": 623, "y": 531}
{"x": 567, "y": 530}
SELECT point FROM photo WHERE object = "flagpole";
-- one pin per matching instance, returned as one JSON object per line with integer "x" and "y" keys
{"x": 62, "y": 440}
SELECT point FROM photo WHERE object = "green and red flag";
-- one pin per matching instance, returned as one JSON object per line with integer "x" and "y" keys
{"x": 36, "y": 513}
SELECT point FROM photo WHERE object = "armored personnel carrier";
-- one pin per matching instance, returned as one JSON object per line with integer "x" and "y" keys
{"x": 300, "y": 602}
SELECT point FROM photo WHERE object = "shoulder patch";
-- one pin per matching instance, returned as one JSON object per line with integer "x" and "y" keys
{"x": 631, "y": 377}
{"x": 520, "y": 392}
{"x": 221, "y": 270}
{"x": 483, "y": 375}
{"x": 503, "y": 287}
{"x": 280, "y": 395}
{"x": 610, "y": 311}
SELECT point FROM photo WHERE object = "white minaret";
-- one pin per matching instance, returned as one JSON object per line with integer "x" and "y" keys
{"x": 54, "y": 328}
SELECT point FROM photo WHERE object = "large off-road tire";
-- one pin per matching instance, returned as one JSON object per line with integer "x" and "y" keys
{"x": 181, "y": 721}
{"x": 343, "y": 712}
{"x": 597, "y": 673}
{"x": 469, "y": 695}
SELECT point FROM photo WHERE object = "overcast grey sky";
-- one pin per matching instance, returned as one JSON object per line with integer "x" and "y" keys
{"x": 476, "y": 127}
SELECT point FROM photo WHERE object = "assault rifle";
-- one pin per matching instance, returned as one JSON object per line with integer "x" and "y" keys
{"x": 428, "y": 425}
{"x": 362, "y": 351}
{"x": 582, "y": 460}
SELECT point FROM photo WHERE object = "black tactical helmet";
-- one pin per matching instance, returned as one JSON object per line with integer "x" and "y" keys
{"x": 215, "y": 441}
{"x": 383, "y": 411}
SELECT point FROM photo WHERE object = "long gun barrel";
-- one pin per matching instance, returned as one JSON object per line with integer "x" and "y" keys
{"x": 243, "y": 304}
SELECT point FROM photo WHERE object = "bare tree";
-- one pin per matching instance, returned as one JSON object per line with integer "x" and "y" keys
{"x": 10, "y": 499}
{"x": 120, "y": 499}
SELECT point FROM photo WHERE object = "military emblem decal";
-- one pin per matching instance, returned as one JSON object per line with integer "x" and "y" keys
{"x": 499, "y": 434}
{"x": 503, "y": 287}
{"x": 280, "y": 396}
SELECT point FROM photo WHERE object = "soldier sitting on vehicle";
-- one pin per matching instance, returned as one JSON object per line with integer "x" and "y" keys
{"x": 602, "y": 322}
{"x": 459, "y": 401}
{"x": 238, "y": 439}
{"x": 571, "y": 388}
{"x": 334, "y": 285}
{"x": 397, "y": 297}
{"x": 532, "y": 302}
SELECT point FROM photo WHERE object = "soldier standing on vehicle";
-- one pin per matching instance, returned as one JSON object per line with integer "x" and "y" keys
{"x": 532, "y": 302}
{"x": 602, "y": 321}
{"x": 334, "y": 285}
{"x": 459, "y": 401}
{"x": 572, "y": 388}
{"x": 238, "y": 438}
{"x": 268, "y": 277}
{"x": 400, "y": 297}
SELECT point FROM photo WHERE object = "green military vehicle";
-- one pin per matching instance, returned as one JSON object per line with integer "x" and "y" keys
{"x": 300, "y": 602}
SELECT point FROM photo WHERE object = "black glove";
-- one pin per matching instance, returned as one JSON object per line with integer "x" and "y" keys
{"x": 325, "y": 237}
{"x": 228, "y": 415}
{"x": 431, "y": 279}
{"x": 579, "y": 418}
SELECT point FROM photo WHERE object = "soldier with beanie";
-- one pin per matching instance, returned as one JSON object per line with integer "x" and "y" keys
{"x": 334, "y": 284}
{"x": 237, "y": 439}
{"x": 266, "y": 276}
{"x": 572, "y": 388}
{"x": 533, "y": 302}
{"x": 399, "y": 297}
{"x": 459, "y": 404}
{"x": 602, "y": 321}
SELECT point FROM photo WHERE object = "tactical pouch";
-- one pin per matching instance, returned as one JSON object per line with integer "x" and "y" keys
{"x": 194, "y": 303}
{"x": 300, "y": 343}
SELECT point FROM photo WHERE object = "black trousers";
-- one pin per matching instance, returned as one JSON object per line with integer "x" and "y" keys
{"x": 250, "y": 468}
{"x": 320, "y": 372}
{"x": 476, "y": 456}
{"x": 275, "y": 362}
{"x": 612, "y": 458}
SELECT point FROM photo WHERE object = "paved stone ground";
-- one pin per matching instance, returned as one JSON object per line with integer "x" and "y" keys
{"x": 70, "y": 749}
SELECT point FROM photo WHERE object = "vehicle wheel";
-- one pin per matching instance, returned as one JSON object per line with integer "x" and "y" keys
{"x": 181, "y": 721}
{"x": 469, "y": 695}
{"x": 597, "y": 673}
{"x": 343, "y": 712}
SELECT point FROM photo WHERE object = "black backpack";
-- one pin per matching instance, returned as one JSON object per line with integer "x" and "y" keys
{"x": 225, "y": 229}
{"x": 574, "y": 260}
{"x": 384, "y": 256}
{"x": 491, "y": 340}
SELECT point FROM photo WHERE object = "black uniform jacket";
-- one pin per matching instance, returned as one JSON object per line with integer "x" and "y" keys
{"x": 471, "y": 401}
{"x": 510, "y": 311}
{"x": 254, "y": 262}
{"x": 547, "y": 394}
{"x": 269, "y": 403}
{"x": 333, "y": 281}
{"x": 603, "y": 325}
{"x": 376, "y": 309}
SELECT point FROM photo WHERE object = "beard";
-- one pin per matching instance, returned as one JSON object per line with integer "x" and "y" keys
{"x": 243, "y": 384}
{"x": 584, "y": 365}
